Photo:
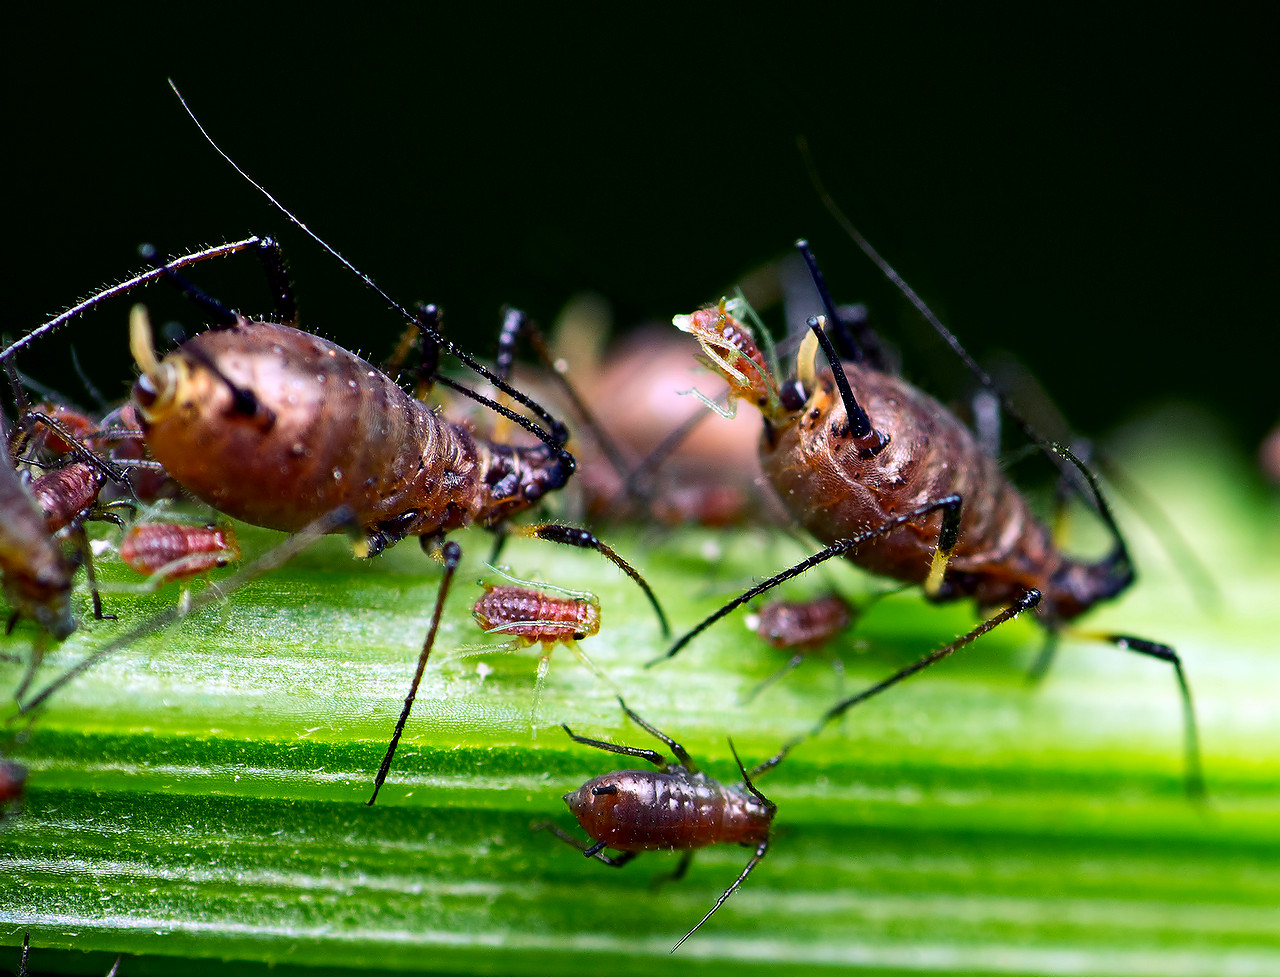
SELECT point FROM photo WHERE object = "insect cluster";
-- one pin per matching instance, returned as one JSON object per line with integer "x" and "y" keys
{"x": 276, "y": 427}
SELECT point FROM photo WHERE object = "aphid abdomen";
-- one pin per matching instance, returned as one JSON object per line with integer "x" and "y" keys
{"x": 504, "y": 608}
{"x": 183, "y": 550}
{"x": 64, "y": 494}
{"x": 324, "y": 428}
{"x": 818, "y": 471}
{"x": 789, "y": 624}
{"x": 641, "y": 810}
{"x": 36, "y": 576}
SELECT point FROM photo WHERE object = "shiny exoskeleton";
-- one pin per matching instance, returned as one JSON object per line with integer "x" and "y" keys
{"x": 893, "y": 481}
{"x": 532, "y": 616}
{"x": 174, "y": 550}
{"x": 321, "y": 428}
{"x": 673, "y": 808}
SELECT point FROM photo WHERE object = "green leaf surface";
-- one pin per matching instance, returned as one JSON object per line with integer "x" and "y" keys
{"x": 200, "y": 796}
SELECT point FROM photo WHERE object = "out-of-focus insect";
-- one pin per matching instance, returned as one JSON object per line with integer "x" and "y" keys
{"x": 803, "y": 626}
{"x": 895, "y": 482}
{"x": 673, "y": 808}
{"x": 13, "y": 781}
{"x": 172, "y": 551}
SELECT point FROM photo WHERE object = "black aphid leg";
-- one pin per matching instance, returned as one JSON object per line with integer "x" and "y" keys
{"x": 223, "y": 317}
{"x": 1044, "y": 659}
{"x": 585, "y": 539}
{"x": 1194, "y": 768}
{"x": 676, "y": 874}
{"x": 678, "y": 751}
{"x": 653, "y": 756}
{"x": 283, "y": 298}
{"x": 761, "y": 850}
{"x": 595, "y": 851}
{"x": 451, "y": 554}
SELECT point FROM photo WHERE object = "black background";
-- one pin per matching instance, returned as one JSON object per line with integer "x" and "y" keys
{"x": 1096, "y": 195}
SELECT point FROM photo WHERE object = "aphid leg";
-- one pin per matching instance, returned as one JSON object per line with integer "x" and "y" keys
{"x": 271, "y": 560}
{"x": 223, "y": 317}
{"x": 1194, "y": 776}
{"x": 516, "y": 324}
{"x": 81, "y": 543}
{"x": 595, "y": 851}
{"x": 539, "y": 681}
{"x": 761, "y": 850}
{"x": 282, "y": 294}
{"x": 1028, "y": 600}
{"x": 592, "y": 666}
{"x": 653, "y": 756}
{"x": 451, "y": 554}
{"x": 793, "y": 662}
{"x": 950, "y": 503}
{"x": 585, "y": 539}
{"x": 678, "y": 751}
{"x": 1048, "y": 651}
{"x": 33, "y": 664}
{"x": 26, "y": 950}
{"x": 676, "y": 874}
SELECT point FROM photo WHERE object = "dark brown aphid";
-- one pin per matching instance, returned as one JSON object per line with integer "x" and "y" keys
{"x": 675, "y": 808}
{"x": 171, "y": 551}
{"x": 892, "y": 480}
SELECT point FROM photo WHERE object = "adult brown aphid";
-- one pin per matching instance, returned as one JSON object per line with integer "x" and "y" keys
{"x": 36, "y": 573}
{"x": 277, "y": 427}
{"x": 171, "y": 551}
{"x": 895, "y": 482}
{"x": 675, "y": 808}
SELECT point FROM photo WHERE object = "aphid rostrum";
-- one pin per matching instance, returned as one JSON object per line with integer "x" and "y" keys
{"x": 673, "y": 808}
{"x": 892, "y": 480}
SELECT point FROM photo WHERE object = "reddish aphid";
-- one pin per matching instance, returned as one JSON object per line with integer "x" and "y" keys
{"x": 802, "y": 627}
{"x": 895, "y": 482}
{"x": 538, "y": 613}
{"x": 172, "y": 551}
{"x": 13, "y": 781}
{"x": 673, "y": 808}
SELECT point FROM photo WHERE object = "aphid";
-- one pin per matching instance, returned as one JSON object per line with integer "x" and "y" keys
{"x": 13, "y": 781}
{"x": 538, "y": 613}
{"x": 801, "y": 625}
{"x": 171, "y": 551}
{"x": 278, "y": 427}
{"x": 892, "y": 480}
{"x": 37, "y": 575}
{"x": 676, "y": 807}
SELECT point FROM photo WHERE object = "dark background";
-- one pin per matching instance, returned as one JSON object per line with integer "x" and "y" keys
{"x": 1097, "y": 195}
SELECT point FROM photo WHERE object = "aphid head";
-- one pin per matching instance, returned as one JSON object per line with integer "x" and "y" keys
{"x": 595, "y": 803}
{"x": 156, "y": 391}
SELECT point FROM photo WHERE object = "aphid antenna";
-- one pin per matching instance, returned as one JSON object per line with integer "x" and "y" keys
{"x": 947, "y": 335}
{"x": 274, "y": 558}
{"x": 128, "y": 285}
{"x": 585, "y": 595}
{"x": 549, "y": 439}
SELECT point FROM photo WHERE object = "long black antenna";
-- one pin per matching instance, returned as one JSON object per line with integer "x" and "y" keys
{"x": 1051, "y": 451}
{"x": 461, "y": 355}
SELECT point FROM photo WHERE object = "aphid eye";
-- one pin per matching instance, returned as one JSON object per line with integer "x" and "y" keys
{"x": 144, "y": 392}
{"x": 792, "y": 394}
{"x": 602, "y": 791}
